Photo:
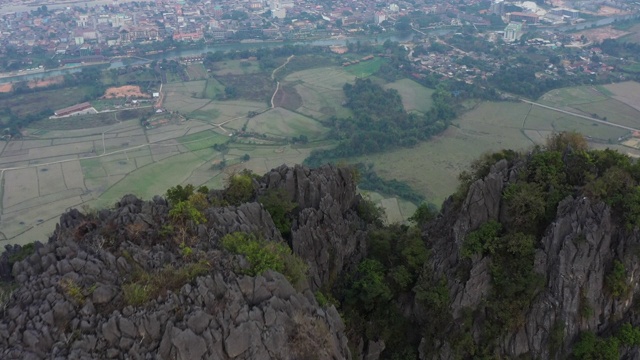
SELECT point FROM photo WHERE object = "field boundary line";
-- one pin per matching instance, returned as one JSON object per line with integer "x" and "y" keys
{"x": 580, "y": 116}
{"x": 6, "y": 238}
{"x": 148, "y": 144}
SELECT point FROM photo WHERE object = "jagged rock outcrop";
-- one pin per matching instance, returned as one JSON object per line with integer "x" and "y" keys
{"x": 327, "y": 231}
{"x": 575, "y": 255}
{"x": 69, "y": 301}
{"x": 482, "y": 203}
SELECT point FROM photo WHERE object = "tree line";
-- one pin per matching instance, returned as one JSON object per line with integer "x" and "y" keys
{"x": 380, "y": 122}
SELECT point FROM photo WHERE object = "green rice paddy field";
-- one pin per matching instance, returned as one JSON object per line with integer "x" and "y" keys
{"x": 182, "y": 152}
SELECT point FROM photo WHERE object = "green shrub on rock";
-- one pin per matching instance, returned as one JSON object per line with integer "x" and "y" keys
{"x": 263, "y": 255}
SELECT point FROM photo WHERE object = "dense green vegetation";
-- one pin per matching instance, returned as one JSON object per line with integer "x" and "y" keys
{"x": 265, "y": 255}
{"x": 144, "y": 286}
{"x": 593, "y": 347}
{"x": 394, "y": 268}
{"x": 276, "y": 202}
{"x": 380, "y": 122}
{"x": 25, "y": 251}
{"x": 368, "y": 296}
{"x": 565, "y": 167}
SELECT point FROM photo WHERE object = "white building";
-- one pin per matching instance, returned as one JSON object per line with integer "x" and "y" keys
{"x": 513, "y": 32}
{"x": 379, "y": 17}
{"x": 278, "y": 13}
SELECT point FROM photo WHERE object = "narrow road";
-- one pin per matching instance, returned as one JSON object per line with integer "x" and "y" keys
{"x": 273, "y": 73}
{"x": 273, "y": 77}
{"x": 274, "y": 94}
{"x": 580, "y": 116}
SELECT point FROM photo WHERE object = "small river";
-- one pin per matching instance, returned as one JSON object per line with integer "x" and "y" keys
{"x": 213, "y": 48}
{"x": 598, "y": 23}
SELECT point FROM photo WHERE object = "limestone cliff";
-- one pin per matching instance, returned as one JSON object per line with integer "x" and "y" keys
{"x": 521, "y": 264}
{"x": 75, "y": 296}
{"x": 574, "y": 255}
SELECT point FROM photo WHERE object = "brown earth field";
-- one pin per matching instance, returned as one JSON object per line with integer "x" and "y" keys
{"x": 45, "y": 82}
{"x": 288, "y": 98}
{"x": 124, "y": 91}
{"x": 600, "y": 34}
{"x": 627, "y": 92}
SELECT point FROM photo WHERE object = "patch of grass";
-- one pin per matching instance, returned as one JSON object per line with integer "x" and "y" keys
{"x": 572, "y": 96}
{"x": 284, "y": 123}
{"x": 415, "y": 97}
{"x": 196, "y": 71}
{"x": 366, "y": 68}
{"x": 613, "y": 111}
{"x": 205, "y": 115}
{"x": 320, "y": 90}
{"x": 263, "y": 255}
{"x": 153, "y": 179}
{"x": 604, "y": 91}
{"x": 633, "y": 68}
{"x": 92, "y": 168}
{"x": 212, "y": 89}
{"x": 202, "y": 140}
{"x": 304, "y": 62}
{"x": 146, "y": 286}
{"x": 235, "y": 67}
{"x": 136, "y": 294}
{"x": 76, "y": 292}
{"x": 6, "y": 290}
{"x": 255, "y": 87}
{"x": 634, "y": 28}
{"x": 24, "y": 252}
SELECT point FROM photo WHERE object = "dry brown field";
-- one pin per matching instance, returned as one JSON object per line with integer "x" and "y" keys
{"x": 45, "y": 82}
{"x": 602, "y": 33}
{"x": 125, "y": 91}
{"x": 627, "y": 92}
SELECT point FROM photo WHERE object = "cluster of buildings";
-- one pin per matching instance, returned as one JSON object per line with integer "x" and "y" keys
{"x": 127, "y": 27}
{"x": 531, "y": 14}
{"x": 478, "y": 66}
{"x": 92, "y": 30}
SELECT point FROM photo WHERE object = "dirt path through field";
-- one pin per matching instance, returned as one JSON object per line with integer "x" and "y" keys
{"x": 273, "y": 77}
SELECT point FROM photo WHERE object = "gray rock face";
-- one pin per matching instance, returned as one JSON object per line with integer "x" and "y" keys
{"x": 70, "y": 301}
{"x": 250, "y": 218}
{"x": 575, "y": 255}
{"x": 327, "y": 232}
{"x": 483, "y": 203}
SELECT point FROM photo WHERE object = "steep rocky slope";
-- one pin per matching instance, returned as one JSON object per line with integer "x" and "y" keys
{"x": 575, "y": 258}
{"x": 79, "y": 295}
{"x": 535, "y": 257}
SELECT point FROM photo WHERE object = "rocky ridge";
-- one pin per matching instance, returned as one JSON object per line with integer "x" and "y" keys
{"x": 575, "y": 255}
{"x": 69, "y": 302}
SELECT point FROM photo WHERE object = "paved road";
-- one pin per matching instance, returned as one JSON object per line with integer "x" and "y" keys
{"x": 580, "y": 116}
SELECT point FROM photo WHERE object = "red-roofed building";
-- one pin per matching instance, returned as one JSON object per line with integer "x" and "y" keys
{"x": 530, "y": 18}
